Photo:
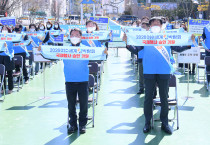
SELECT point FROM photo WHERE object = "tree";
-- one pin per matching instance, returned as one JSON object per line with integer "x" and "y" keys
{"x": 128, "y": 11}
{"x": 9, "y": 6}
{"x": 56, "y": 9}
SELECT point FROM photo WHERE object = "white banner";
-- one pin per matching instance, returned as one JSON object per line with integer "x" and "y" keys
{"x": 189, "y": 56}
{"x": 38, "y": 57}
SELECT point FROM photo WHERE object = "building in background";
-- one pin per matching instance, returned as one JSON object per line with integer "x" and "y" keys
{"x": 113, "y": 8}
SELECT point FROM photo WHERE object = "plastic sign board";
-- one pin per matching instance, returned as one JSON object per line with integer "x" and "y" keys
{"x": 8, "y": 21}
{"x": 103, "y": 22}
{"x": 196, "y": 26}
{"x": 189, "y": 56}
{"x": 38, "y": 57}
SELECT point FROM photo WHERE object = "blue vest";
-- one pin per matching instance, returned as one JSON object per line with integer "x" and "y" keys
{"x": 154, "y": 62}
{"x": 76, "y": 70}
{"x": 169, "y": 27}
{"x": 89, "y": 43}
{"x": 207, "y": 40}
{"x": 141, "y": 54}
{"x": 9, "y": 52}
{"x": 35, "y": 43}
{"x": 20, "y": 49}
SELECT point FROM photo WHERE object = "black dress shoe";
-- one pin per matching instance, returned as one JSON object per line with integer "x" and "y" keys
{"x": 147, "y": 128}
{"x": 82, "y": 129}
{"x": 72, "y": 129}
{"x": 141, "y": 91}
{"x": 166, "y": 129}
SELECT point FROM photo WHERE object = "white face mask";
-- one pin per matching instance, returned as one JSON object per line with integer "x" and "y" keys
{"x": 155, "y": 29}
{"x": 48, "y": 26}
{"x": 56, "y": 26}
{"x": 90, "y": 29}
{"x": 4, "y": 31}
{"x": 42, "y": 28}
{"x": 94, "y": 28}
{"x": 75, "y": 40}
{"x": 32, "y": 30}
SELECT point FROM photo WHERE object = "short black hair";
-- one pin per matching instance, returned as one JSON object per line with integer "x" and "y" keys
{"x": 32, "y": 25}
{"x": 76, "y": 29}
{"x": 20, "y": 26}
{"x": 89, "y": 21}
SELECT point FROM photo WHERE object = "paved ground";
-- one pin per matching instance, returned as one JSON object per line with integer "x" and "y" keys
{"x": 25, "y": 119}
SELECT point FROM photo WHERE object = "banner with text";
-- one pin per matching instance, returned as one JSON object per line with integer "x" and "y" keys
{"x": 189, "y": 56}
{"x": 196, "y": 26}
{"x": 10, "y": 37}
{"x": 72, "y": 52}
{"x": 96, "y": 35}
{"x": 158, "y": 39}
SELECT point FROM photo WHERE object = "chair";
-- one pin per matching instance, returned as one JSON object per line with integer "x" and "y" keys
{"x": 171, "y": 102}
{"x": 93, "y": 69}
{"x": 207, "y": 63}
{"x": 90, "y": 100}
{"x": 19, "y": 61}
{"x": 2, "y": 73}
{"x": 199, "y": 66}
{"x": 100, "y": 69}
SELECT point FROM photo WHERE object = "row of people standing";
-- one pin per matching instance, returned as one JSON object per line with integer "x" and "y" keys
{"x": 8, "y": 58}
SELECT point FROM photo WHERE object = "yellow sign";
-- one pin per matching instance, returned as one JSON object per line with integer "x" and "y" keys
{"x": 203, "y": 7}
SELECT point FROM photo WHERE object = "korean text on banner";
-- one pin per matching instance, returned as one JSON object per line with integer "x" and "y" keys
{"x": 158, "y": 39}
{"x": 11, "y": 37}
{"x": 196, "y": 26}
{"x": 189, "y": 56}
{"x": 71, "y": 52}
{"x": 8, "y": 21}
{"x": 103, "y": 22}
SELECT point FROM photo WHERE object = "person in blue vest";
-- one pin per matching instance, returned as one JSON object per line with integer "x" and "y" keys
{"x": 166, "y": 24}
{"x": 7, "y": 59}
{"x": 56, "y": 26}
{"x": 49, "y": 25}
{"x": 41, "y": 27}
{"x": 35, "y": 43}
{"x": 77, "y": 76}
{"x": 21, "y": 50}
{"x": 90, "y": 28}
{"x": 191, "y": 71}
{"x": 206, "y": 38}
{"x": 157, "y": 70}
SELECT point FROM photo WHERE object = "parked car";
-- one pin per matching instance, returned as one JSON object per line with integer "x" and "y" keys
{"x": 127, "y": 18}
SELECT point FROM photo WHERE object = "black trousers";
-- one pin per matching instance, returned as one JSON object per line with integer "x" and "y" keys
{"x": 208, "y": 67}
{"x": 10, "y": 80}
{"x": 72, "y": 89}
{"x": 9, "y": 67}
{"x": 150, "y": 84}
{"x": 17, "y": 67}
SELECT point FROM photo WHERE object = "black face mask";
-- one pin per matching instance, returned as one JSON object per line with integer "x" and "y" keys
{"x": 17, "y": 29}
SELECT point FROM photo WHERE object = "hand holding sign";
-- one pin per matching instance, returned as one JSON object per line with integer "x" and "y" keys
{"x": 106, "y": 51}
{"x": 5, "y": 44}
{"x": 193, "y": 38}
{"x": 125, "y": 38}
